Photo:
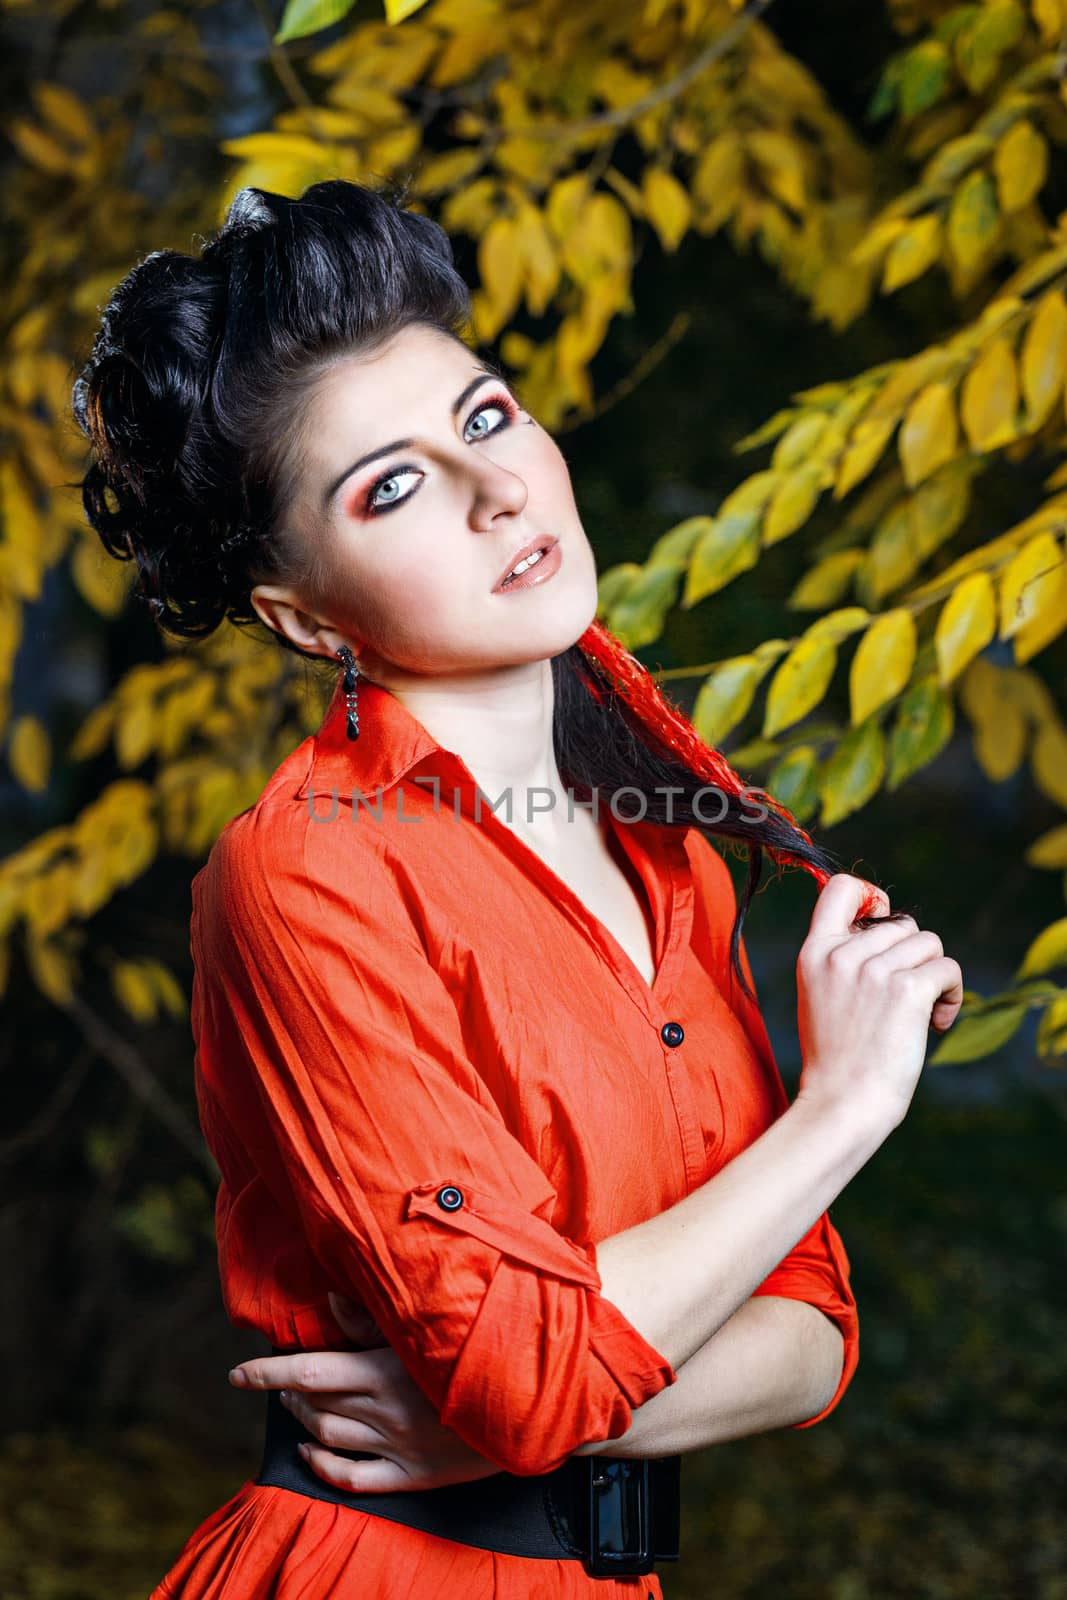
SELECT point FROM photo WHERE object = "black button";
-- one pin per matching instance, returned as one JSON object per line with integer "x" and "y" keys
{"x": 672, "y": 1033}
{"x": 450, "y": 1198}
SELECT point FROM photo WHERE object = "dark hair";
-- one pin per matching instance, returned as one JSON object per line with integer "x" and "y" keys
{"x": 193, "y": 398}
{"x": 195, "y": 390}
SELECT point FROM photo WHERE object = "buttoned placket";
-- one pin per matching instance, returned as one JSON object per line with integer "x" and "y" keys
{"x": 672, "y": 904}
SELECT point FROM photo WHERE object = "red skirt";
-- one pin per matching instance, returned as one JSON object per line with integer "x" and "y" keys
{"x": 268, "y": 1543}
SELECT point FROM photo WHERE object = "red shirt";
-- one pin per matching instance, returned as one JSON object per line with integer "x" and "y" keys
{"x": 394, "y": 994}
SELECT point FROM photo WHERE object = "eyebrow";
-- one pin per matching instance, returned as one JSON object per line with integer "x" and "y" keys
{"x": 331, "y": 489}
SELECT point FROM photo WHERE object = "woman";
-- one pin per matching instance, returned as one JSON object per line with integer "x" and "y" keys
{"x": 477, "y": 1044}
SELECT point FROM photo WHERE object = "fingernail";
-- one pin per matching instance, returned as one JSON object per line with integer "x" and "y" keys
{"x": 303, "y": 1449}
{"x": 238, "y": 1376}
{"x": 283, "y": 1396}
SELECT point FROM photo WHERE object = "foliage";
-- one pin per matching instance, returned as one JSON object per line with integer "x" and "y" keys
{"x": 558, "y": 144}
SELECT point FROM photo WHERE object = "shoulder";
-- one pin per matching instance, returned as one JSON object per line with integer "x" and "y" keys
{"x": 281, "y": 857}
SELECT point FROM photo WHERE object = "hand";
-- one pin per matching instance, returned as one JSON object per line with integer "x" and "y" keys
{"x": 364, "y": 1400}
{"x": 866, "y": 1001}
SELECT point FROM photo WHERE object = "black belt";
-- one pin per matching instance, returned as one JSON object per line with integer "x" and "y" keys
{"x": 616, "y": 1516}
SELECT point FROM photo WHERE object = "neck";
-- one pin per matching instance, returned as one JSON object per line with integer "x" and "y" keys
{"x": 500, "y": 725}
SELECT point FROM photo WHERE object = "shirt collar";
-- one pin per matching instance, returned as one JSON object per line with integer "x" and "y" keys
{"x": 392, "y": 741}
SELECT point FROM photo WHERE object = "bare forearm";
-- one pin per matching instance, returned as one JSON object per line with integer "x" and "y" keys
{"x": 774, "y": 1362}
{"x": 679, "y": 1276}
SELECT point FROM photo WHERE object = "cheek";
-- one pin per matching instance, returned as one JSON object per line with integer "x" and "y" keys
{"x": 404, "y": 603}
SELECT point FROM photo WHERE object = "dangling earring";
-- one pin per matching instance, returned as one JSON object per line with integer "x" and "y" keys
{"x": 348, "y": 660}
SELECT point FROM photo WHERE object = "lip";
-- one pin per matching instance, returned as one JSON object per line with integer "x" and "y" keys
{"x": 548, "y": 545}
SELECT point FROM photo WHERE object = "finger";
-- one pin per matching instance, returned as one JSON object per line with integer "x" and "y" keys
{"x": 839, "y": 904}
{"x": 310, "y": 1370}
{"x": 356, "y": 1321}
{"x": 868, "y": 942}
{"x": 335, "y": 1429}
{"x": 358, "y": 1477}
{"x": 947, "y": 1005}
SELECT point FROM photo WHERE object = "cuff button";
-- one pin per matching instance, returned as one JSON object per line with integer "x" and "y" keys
{"x": 450, "y": 1198}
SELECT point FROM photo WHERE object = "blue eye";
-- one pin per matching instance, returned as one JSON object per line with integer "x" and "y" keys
{"x": 379, "y": 500}
{"x": 490, "y": 405}
{"x": 375, "y": 507}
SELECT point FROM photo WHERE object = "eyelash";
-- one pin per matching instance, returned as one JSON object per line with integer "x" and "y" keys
{"x": 502, "y": 402}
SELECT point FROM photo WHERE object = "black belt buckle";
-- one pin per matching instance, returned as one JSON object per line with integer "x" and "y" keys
{"x": 620, "y": 1524}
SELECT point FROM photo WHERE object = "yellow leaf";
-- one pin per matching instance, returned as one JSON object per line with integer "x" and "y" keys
{"x": 52, "y": 969}
{"x": 1048, "y": 761}
{"x": 1020, "y": 165}
{"x": 99, "y": 578}
{"x": 967, "y": 623}
{"x": 1043, "y": 361}
{"x": 876, "y": 239}
{"x": 1050, "y": 850}
{"x": 792, "y": 504}
{"x": 827, "y": 581}
{"x": 782, "y": 164}
{"x": 800, "y": 439}
{"x": 500, "y": 267}
{"x": 914, "y": 249}
{"x": 397, "y": 10}
{"x": 929, "y": 434}
{"x": 30, "y": 753}
{"x": 799, "y": 683}
{"x": 134, "y": 991}
{"x": 448, "y": 170}
{"x": 1052, "y": 1030}
{"x": 989, "y": 398}
{"x": 869, "y": 439}
{"x": 882, "y": 663}
{"x": 1030, "y": 582}
{"x": 717, "y": 179}
{"x": 540, "y": 259}
{"x": 973, "y": 220}
{"x": 64, "y": 111}
{"x": 725, "y": 696}
{"x": 838, "y": 625}
{"x": 1048, "y": 950}
{"x": 1032, "y": 637}
{"x": 667, "y": 206}
{"x": 1051, "y": 19}
{"x": 999, "y": 726}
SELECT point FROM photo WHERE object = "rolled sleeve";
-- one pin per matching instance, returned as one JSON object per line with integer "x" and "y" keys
{"x": 817, "y": 1270}
{"x": 333, "y": 1044}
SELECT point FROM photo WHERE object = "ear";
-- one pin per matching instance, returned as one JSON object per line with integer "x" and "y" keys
{"x": 281, "y": 609}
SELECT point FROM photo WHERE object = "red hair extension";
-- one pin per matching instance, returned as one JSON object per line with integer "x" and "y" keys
{"x": 673, "y": 730}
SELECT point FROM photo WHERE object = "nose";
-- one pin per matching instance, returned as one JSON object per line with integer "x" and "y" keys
{"x": 497, "y": 492}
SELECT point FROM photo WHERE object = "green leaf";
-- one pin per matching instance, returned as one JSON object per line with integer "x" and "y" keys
{"x": 730, "y": 546}
{"x": 972, "y": 1037}
{"x": 638, "y": 619}
{"x": 853, "y": 773}
{"x": 974, "y": 218}
{"x": 675, "y": 547}
{"x": 926, "y": 74}
{"x": 923, "y": 726}
{"x": 725, "y": 696}
{"x": 615, "y": 583}
{"x": 794, "y": 781}
{"x": 302, "y": 17}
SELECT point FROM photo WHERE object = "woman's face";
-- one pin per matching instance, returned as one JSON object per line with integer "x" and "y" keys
{"x": 423, "y": 481}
